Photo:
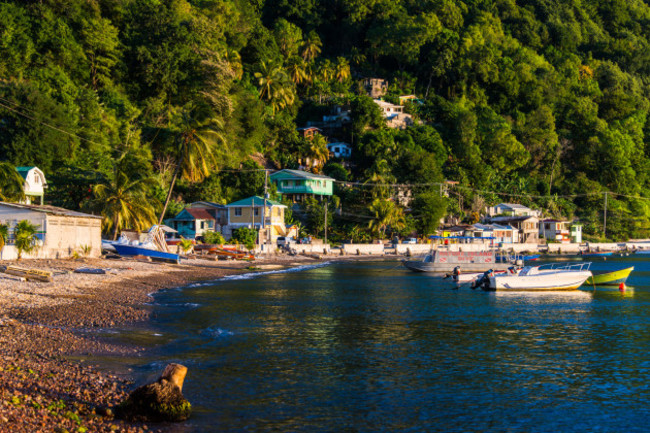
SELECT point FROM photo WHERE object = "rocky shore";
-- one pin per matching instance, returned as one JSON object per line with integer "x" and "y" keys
{"x": 42, "y": 324}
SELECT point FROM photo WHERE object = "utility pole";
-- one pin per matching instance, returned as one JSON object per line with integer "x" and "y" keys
{"x": 266, "y": 194}
{"x": 325, "y": 240}
{"x": 605, "y": 217}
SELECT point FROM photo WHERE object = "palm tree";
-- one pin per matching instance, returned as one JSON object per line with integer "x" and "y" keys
{"x": 318, "y": 151}
{"x": 326, "y": 70}
{"x": 197, "y": 135}
{"x": 275, "y": 86}
{"x": 312, "y": 47}
{"x": 124, "y": 203}
{"x": 11, "y": 183}
{"x": 26, "y": 240}
{"x": 342, "y": 69}
{"x": 4, "y": 234}
{"x": 298, "y": 72}
{"x": 386, "y": 214}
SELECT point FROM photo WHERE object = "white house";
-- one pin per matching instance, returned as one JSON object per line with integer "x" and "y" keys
{"x": 340, "y": 149}
{"x": 512, "y": 209}
{"x": 394, "y": 114}
{"x": 35, "y": 184}
{"x": 61, "y": 232}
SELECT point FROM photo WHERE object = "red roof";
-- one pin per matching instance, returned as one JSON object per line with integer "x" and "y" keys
{"x": 199, "y": 214}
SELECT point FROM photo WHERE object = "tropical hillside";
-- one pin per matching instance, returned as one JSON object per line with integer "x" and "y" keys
{"x": 133, "y": 108}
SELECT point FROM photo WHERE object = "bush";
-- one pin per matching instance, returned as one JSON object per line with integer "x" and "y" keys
{"x": 245, "y": 236}
{"x": 213, "y": 238}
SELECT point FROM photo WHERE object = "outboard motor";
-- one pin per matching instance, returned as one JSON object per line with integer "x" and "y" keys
{"x": 484, "y": 281}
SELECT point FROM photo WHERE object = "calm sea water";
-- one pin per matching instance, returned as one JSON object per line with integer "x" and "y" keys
{"x": 367, "y": 347}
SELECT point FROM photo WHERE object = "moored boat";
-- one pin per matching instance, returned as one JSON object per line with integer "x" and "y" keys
{"x": 596, "y": 253}
{"x": 613, "y": 278}
{"x": 541, "y": 278}
{"x": 446, "y": 261}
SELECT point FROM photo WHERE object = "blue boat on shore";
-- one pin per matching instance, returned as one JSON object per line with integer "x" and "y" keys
{"x": 596, "y": 253}
{"x": 131, "y": 250}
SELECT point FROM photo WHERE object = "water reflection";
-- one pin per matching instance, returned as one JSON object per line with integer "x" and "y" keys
{"x": 365, "y": 347}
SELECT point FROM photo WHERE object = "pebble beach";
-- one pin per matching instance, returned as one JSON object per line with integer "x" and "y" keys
{"x": 42, "y": 389}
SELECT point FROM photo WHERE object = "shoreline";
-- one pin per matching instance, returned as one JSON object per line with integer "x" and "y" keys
{"x": 44, "y": 325}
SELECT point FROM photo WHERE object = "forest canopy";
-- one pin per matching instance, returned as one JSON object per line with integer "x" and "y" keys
{"x": 541, "y": 102}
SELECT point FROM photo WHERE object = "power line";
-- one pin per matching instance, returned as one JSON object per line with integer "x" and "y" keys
{"x": 44, "y": 123}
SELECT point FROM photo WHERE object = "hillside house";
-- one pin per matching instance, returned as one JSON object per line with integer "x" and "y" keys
{"x": 338, "y": 117}
{"x": 35, "y": 184}
{"x": 512, "y": 209}
{"x": 249, "y": 213}
{"x": 296, "y": 185}
{"x": 340, "y": 149}
{"x": 375, "y": 87}
{"x": 218, "y": 211}
{"x": 61, "y": 232}
{"x": 394, "y": 115}
{"x": 308, "y": 132}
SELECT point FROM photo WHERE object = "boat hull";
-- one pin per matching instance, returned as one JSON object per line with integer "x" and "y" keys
{"x": 130, "y": 250}
{"x": 541, "y": 282}
{"x": 610, "y": 278}
{"x": 420, "y": 266}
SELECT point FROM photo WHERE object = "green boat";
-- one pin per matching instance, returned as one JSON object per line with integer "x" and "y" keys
{"x": 610, "y": 278}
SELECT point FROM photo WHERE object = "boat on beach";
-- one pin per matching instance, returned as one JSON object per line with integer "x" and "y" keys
{"x": 549, "y": 277}
{"x": 613, "y": 278}
{"x": 154, "y": 246}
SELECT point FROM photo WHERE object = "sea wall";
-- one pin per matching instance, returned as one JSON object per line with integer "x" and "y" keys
{"x": 363, "y": 249}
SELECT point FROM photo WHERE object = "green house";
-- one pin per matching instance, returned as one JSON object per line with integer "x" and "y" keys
{"x": 297, "y": 184}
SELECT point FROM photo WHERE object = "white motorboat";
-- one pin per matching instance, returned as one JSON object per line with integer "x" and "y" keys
{"x": 469, "y": 277}
{"x": 555, "y": 276}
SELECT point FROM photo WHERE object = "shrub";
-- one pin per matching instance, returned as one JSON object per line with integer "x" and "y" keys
{"x": 213, "y": 238}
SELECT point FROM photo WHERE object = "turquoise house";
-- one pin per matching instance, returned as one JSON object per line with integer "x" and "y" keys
{"x": 297, "y": 184}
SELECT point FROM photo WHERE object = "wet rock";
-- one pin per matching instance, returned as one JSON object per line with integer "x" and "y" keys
{"x": 159, "y": 401}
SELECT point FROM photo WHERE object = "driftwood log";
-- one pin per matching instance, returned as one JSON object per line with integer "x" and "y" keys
{"x": 159, "y": 401}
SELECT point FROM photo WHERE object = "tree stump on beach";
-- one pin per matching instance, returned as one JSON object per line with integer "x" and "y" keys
{"x": 159, "y": 401}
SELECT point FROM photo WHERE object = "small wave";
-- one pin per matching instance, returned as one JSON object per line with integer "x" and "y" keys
{"x": 278, "y": 271}
{"x": 216, "y": 332}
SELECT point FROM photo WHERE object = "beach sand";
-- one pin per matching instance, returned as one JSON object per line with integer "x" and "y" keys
{"x": 41, "y": 324}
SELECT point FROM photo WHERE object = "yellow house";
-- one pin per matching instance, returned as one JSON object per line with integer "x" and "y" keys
{"x": 249, "y": 213}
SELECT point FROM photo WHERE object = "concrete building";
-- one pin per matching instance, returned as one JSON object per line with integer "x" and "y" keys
{"x": 575, "y": 232}
{"x": 395, "y": 115}
{"x": 528, "y": 227}
{"x": 375, "y": 87}
{"x": 35, "y": 184}
{"x": 554, "y": 230}
{"x": 61, "y": 232}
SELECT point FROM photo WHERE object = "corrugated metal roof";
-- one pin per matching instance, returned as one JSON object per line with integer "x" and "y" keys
{"x": 299, "y": 174}
{"x": 52, "y": 210}
{"x": 255, "y": 201}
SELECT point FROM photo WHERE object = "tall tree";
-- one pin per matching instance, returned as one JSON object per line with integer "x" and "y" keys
{"x": 11, "y": 183}
{"x": 198, "y": 133}
{"x": 123, "y": 202}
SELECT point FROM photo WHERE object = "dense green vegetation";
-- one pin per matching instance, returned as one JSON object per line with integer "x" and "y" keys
{"x": 123, "y": 101}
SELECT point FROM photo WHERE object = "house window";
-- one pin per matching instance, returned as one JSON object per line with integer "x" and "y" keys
{"x": 202, "y": 225}
{"x": 237, "y": 211}
{"x": 257, "y": 211}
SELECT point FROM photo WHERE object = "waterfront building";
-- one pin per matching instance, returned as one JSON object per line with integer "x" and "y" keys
{"x": 527, "y": 226}
{"x": 250, "y": 212}
{"x": 62, "y": 233}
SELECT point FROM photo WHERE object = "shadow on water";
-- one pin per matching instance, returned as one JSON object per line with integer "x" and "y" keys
{"x": 371, "y": 347}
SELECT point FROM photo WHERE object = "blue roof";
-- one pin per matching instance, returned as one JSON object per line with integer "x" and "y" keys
{"x": 255, "y": 201}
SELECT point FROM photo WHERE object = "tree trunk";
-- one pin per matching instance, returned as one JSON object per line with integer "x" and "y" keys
{"x": 171, "y": 188}
{"x": 115, "y": 228}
